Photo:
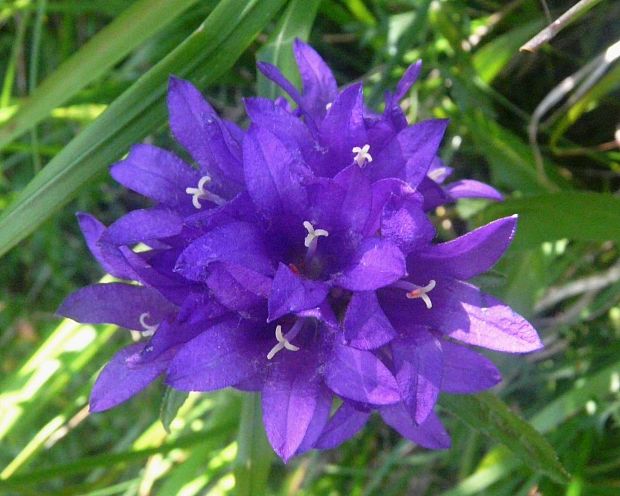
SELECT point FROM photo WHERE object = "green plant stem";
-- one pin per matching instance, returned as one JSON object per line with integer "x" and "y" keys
{"x": 254, "y": 455}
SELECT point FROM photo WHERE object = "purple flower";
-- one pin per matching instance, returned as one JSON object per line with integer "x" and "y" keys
{"x": 298, "y": 259}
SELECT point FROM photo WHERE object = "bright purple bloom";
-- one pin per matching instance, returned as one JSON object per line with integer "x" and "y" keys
{"x": 298, "y": 259}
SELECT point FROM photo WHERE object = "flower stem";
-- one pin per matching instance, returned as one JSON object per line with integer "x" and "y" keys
{"x": 254, "y": 454}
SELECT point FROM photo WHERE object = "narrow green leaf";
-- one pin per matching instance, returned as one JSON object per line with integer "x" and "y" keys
{"x": 129, "y": 30}
{"x": 490, "y": 415}
{"x": 171, "y": 401}
{"x": 254, "y": 454}
{"x": 203, "y": 57}
{"x": 295, "y": 23}
{"x": 573, "y": 215}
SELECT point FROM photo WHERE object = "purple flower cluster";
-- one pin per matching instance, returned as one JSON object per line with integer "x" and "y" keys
{"x": 297, "y": 259}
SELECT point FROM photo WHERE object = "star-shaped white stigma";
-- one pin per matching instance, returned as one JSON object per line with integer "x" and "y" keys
{"x": 199, "y": 193}
{"x": 361, "y": 155}
{"x": 282, "y": 344}
{"x": 313, "y": 234}
{"x": 149, "y": 329}
{"x": 420, "y": 292}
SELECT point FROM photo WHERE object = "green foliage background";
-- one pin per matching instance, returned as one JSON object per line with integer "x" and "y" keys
{"x": 82, "y": 80}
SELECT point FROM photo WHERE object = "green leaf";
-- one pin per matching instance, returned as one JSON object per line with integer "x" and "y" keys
{"x": 110, "y": 45}
{"x": 204, "y": 56}
{"x": 573, "y": 215}
{"x": 490, "y": 415}
{"x": 171, "y": 402}
{"x": 295, "y": 23}
{"x": 254, "y": 454}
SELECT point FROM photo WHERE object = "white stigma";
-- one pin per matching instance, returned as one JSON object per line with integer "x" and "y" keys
{"x": 149, "y": 329}
{"x": 361, "y": 155}
{"x": 421, "y": 292}
{"x": 437, "y": 173}
{"x": 199, "y": 193}
{"x": 313, "y": 234}
{"x": 283, "y": 343}
{"x": 328, "y": 106}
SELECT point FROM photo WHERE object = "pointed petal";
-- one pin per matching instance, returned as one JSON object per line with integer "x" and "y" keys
{"x": 405, "y": 224}
{"x": 238, "y": 243}
{"x": 274, "y": 74}
{"x": 377, "y": 263}
{"x": 318, "y": 422}
{"x": 290, "y": 399}
{"x": 466, "y": 371}
{"x": 357, "y": 200}
{"x": 410, "y": 153}
{"x": 273, "y": 174}
{"x": 342, "y": 129}
{"x": 473, "y": 253}
{"x": 344, "y": 424}
{"x": 418, "y": 364}
{"x": 221, "y": 356}
{"x": 292, "y": 293}
{"x": 142, "y": 226}
{"x": 108, "y": 256}
{"x": 360, "y": 376}
{"x": 203, "y": 134}
{"x": 407, "y": 81}
{"x": 466, "y": 314}
{"x": 157, "y": 174}
{"x": 116, "y": 303}
{"x": 430, "y": 434}
{"x": 118, "y": 382}
{"x": 468, "y": 188}
{"x": 382, "y": 191}
{"x": 319, "y": 84}
{"x": 365, "y": 325}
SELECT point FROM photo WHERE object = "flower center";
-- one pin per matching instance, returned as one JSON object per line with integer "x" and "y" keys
{"x": 200, "y": 193}
{"x": 361, "y": 155}
{"x": 284, "y": 341}
{"x": 149, "y": 329}
{"x": 415, "y": 291}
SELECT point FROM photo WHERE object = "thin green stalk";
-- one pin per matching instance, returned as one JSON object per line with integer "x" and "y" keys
{"x": 33, "y": 76}
{"x": 254, "y": 454}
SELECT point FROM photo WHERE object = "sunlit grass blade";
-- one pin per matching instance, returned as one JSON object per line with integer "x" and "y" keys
{"x": 202, "y": 57}
{"x": 129, "y": 30}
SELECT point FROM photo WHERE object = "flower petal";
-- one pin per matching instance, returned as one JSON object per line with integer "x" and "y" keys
{"x": 238, "y": 243}
{"x": 319, "y": 84}
{"x": 360, "y": 376}
{"x": 344, "y": 424}
{"x": 407, "y": 80}
{"x": 273, "y": 174}
{"x": 406, "y": 225}
{"x": 465, "y": 371}
{"x": 221, "y": 356}
{"x": 418, "y": 364}
{"x": 318, "y": 422}
{"x": 196, "y": 125}
{"x": 357, "y": 200}
{"x": 410, "y": 153}
{"x": 142, "y": 226}
{"x": 342, "y": 129}
{"x": 118, "y": 382}
{"x": 377, "y": 263}
{"x": 292, "y": 293}
{"x": 116, "y": 303}
{"x": 108, "y": 256}
{"x": 157, "y": 174}
{"x": 365, "y": 325}
{"x": 471, "y": 254}
{"x": 291, "y": 396}
{"x": 430, "y": 434}
{"x": 468, "y": 188}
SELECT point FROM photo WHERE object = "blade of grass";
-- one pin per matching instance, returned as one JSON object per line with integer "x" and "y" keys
{"x": 139, "y": 22}
{"x": 203, "y": 57}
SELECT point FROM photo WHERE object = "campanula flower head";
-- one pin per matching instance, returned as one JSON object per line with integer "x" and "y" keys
{"x": 297, "y": 258}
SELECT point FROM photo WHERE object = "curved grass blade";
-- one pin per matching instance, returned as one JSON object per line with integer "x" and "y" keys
{"x": 490, "y": 415}
{"x": 203, "y": 57}
{"x": 110, "y": 45}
